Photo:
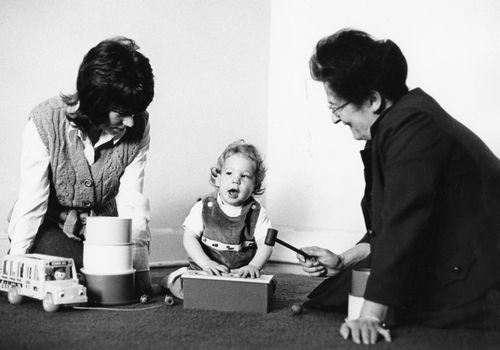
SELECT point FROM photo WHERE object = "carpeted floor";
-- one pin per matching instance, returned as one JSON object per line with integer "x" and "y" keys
{"x": 158, "y": 326}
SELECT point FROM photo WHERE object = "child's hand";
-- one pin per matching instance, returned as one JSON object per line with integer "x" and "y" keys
{"x": 213, "y": 267}
{"x": 247, "y": 271}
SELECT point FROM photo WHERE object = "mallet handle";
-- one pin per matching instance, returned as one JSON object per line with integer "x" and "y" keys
{"x": 298, "y": 251}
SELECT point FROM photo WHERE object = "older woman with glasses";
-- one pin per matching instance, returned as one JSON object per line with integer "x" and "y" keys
{"x": 431, "y": 202}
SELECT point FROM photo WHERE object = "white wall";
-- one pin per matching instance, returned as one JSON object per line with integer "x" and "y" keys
{"x": 210, "y": 59}
{"x": 215, "y": 82}
{"x": 315, "y": 179}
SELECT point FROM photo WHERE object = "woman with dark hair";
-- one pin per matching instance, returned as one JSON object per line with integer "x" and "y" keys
{"x": 85, "y": 154}
{"x": 431, "y": 200}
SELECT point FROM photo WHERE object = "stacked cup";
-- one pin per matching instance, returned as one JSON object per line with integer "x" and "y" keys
{"x": 107, "y": 261}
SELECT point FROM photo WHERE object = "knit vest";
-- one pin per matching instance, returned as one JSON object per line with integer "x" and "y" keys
{"x": 75, "y": 186}
{"x": 229, "y": 240}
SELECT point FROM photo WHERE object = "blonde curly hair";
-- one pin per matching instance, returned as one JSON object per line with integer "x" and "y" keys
{"x": 248, "y": 151}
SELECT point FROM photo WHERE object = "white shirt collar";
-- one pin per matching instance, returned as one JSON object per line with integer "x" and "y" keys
{"x": 103, "y": 138}
{"x": 229, "y": 210}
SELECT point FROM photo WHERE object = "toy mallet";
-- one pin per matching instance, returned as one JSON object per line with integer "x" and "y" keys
{"x": 272, "y": 238}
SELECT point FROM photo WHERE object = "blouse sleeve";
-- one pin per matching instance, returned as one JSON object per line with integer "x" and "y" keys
{"x": 130, "y": 200}
{"x": 31, "y": 205}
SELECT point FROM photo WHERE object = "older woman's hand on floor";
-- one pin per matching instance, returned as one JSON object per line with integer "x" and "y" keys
{"x": 364, "y": 330}
{"x": 367, "y": 328}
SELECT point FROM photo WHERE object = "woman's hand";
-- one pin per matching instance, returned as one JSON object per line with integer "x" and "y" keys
{"x": 324, "y": 262}
{"x": 247, "y": 271}
{"x": 368, "y": 326}
{"x": 365, "y": 330}
{"x": 213, "y": 267}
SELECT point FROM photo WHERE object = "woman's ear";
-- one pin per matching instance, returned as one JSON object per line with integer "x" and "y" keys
{"x": 377, "y": 102}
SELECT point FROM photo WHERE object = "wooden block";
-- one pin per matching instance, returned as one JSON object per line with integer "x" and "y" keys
{"x": 227, "y": 293}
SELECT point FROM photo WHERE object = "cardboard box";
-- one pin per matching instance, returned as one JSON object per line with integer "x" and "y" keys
{"x": 227, "y": 293}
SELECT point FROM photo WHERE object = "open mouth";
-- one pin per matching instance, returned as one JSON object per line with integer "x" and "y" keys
{"x": 233, "y": 193}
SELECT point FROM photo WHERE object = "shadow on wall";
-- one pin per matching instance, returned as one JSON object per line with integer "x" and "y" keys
{"x": 166, "y": 247}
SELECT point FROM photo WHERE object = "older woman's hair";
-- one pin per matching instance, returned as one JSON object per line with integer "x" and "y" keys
{"x": 248, "y": 151}
{"x": 354, "y": 65}
{"x": 113, "y": 76}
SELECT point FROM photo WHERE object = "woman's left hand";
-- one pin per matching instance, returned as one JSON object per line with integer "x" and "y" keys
{"x": 368, "y": 326}
{"x": 365, "y": 330}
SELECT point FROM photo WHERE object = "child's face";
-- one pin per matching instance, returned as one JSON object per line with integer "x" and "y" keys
{"x": 236, "y": 181}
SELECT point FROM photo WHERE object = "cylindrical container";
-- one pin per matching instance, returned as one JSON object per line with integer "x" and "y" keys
{"x": 108, "y": 230}
{"x": 110, "y": 289}
{"x": 358, "y": 282}
{"x": 107, "y": 259}
{"x": 354, "y": 307}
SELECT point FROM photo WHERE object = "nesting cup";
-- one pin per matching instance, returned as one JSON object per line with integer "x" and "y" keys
{"x": 107, "y": 259}
{"x": 115, "y": 289}
{"x": 107, "y": 230}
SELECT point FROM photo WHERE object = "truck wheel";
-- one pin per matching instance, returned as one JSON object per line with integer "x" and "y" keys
{"x": 14, "y": 296}
{"x": 48, "y": 303}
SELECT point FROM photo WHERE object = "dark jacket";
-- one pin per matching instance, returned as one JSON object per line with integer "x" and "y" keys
{"x": 432, "y": 206}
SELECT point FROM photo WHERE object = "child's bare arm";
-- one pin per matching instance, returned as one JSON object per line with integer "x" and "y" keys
{"x": 195, "y": 251}
{"x": 259, "y": 260}
{"x": 262, "y": 255}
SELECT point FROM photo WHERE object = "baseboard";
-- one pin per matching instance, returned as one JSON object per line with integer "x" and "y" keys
{"x": 167, "y": 248}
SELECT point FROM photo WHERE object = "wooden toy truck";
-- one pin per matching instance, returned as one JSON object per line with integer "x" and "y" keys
{"x": 48, "y": 278}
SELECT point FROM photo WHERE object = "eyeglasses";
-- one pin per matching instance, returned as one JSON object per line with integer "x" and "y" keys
{"x": 336, "y": 112}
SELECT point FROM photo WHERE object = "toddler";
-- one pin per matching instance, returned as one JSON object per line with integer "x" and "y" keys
{"x": 225, "y": 230}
